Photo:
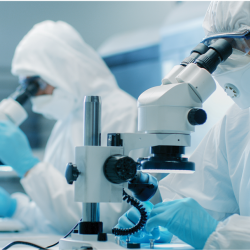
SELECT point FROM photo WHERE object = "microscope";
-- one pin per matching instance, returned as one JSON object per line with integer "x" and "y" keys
{"x": 167, "y": 114}
{"x": 11, "y": 108}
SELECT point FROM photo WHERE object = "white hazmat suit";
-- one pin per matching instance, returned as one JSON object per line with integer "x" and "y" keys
{"x": 221, "y": 182}
{"x": 56, "y": 52}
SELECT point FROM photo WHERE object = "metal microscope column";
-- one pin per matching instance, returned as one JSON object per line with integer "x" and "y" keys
{"x": 91, "y": 137}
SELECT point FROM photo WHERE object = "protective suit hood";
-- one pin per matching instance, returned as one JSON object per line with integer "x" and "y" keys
{"x": 233, "y": 75}
{"x": 226, "y": 16}
{"x": 56, "y": 52}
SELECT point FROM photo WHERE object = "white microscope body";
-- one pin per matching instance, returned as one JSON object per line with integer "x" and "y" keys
{"x": 12, "y": 111}
{"x": 166, "y": 117}
{"x": 165, "y": 108}
{"x": 11, "y": 108}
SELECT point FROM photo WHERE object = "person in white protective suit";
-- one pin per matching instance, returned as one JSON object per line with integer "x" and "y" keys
{"x": 70, "y": 70}
{"x": 210, "y": 209}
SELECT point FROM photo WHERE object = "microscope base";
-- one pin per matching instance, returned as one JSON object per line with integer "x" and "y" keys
{"x": 78, "y": 241}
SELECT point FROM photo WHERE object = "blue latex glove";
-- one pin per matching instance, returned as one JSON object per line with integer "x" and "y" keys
{"x": 15, "y": 150}
{"x": 7, "y": 204}
{"x": 132, "y": 216}
{"x": 184, "y": 218}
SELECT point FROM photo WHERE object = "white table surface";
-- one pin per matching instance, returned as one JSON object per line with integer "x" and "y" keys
{"x": 45, "y": 240}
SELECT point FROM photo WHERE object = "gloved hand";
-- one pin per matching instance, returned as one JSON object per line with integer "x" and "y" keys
{"x": 184, "y": 218}
{"x": 130, "y": 219}
{"x": 15, "y": 150}
{"x": 7, "y": 204}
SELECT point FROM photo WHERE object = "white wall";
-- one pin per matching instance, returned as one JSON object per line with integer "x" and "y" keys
{"x": 96, "y": 21}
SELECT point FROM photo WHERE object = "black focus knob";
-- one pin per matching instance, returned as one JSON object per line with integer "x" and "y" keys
{"x": 197, "y": 116}
{"x": 119, "y": 168}
{"x": 71, "y": 173}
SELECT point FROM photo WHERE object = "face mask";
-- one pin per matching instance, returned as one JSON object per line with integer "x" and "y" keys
{"x": 56, "y": 106}
{"x": 234, "y": 77}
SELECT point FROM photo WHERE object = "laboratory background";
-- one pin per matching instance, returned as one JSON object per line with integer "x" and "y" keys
{"x": 143, "y": 137}
{"x": 139, "y": 41}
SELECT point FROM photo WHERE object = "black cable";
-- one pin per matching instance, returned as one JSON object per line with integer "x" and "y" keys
{"x": 141, "y": 223}
{"x": 23, "y": 243}
{"x": 37, "y": 246}
{"x": 65, "y": 235}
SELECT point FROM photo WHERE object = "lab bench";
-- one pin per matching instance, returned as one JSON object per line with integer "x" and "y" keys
{"x": 45, "y": 240}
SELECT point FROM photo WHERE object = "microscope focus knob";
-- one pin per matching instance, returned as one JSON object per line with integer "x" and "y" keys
{"x": 119, "y": 168}
{"x": 71, "y": 173}
{"x": 197, "y": 116}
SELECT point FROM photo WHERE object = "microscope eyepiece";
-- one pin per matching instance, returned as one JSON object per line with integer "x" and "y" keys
{"x": 217, "y": 53}
{"x": 200, "y": 49}
{"x": 25, "y": 91}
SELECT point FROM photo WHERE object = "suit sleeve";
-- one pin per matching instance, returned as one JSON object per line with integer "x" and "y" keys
{"x": 233, "y": 233}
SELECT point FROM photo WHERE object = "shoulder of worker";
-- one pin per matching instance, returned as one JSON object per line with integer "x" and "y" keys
{"x": 237, "y": 119}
